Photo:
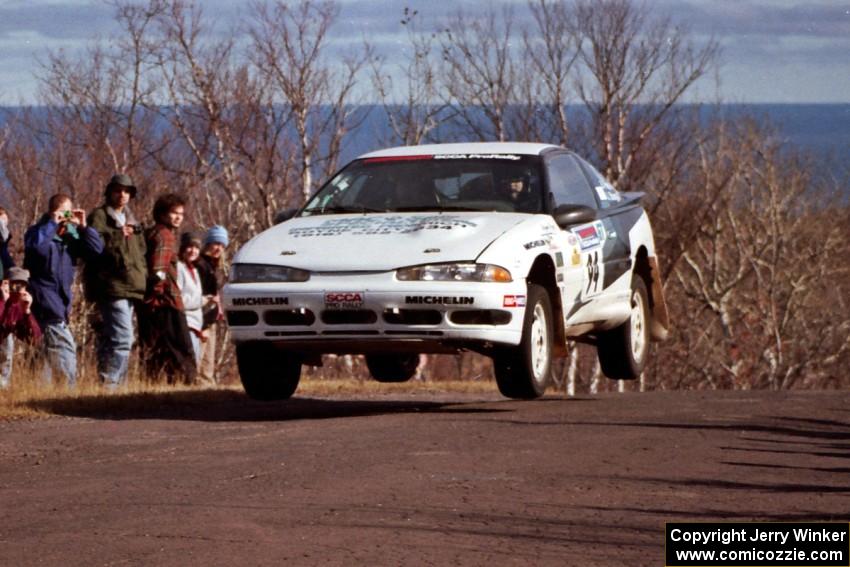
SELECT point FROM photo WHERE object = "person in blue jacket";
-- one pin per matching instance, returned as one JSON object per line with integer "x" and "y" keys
{"x": 52, "y": 248}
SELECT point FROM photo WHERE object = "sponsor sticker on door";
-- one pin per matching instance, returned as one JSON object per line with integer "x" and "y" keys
{"x": 589, "y": 236}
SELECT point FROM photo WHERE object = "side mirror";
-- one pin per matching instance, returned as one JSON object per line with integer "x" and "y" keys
{"x": 569, "y": 215}
{"x": 284, "y": 215}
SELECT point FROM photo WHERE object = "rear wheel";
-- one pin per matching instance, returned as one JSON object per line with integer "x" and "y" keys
{"x": 524, "y": 371}
{"x": 392, "y": 367}
{"x": 267, "y": 374}
{"x": 623, "y": 351}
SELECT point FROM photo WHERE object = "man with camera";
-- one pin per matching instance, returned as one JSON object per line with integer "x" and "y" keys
{"x": 52, "y": 248}
{"x": 116, "y": 279}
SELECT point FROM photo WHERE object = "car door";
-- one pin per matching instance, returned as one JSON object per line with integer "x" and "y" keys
{"x": 618, "y": 217}
{"x": 584, "y": 263}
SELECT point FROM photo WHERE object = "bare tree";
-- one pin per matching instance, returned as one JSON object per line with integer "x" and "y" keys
{"x": 289, "y": 44}
{"x": 410, "y": 98}
{"x": 480, "y": 73}
{"x": 552, "y": 51}
{"x": 756, "y": 278}
{"x": 634, "y": 69}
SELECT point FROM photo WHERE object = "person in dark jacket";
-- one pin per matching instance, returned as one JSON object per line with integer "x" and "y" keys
{"x": 116, "y": 279}
{"x": 211, "y": 269}
{"x": 163, "y": 330}
{"x": 52, "y": 248}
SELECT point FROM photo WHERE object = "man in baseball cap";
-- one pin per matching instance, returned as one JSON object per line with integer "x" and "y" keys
{"x": 115, "y": 281}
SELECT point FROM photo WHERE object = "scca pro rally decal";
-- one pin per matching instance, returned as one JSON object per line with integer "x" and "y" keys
{"x": 344, "y": 299}
{"x": 257, "y": 301}
{"x": 381, "y": 225}
{"x": 590, "y": 236}
{"x": 438, "y": 300}
{"x": 513, "y": 301}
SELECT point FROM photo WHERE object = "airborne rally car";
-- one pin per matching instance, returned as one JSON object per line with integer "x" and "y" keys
{"x": 507, "y": 249}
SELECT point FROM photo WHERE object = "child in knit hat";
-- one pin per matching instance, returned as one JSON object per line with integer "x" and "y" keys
{"x": 211, "y": 270}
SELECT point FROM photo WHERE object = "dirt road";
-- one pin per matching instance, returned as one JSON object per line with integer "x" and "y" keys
{"x": 436, "y": 480}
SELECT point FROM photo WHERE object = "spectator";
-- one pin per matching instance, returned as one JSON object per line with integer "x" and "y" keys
{"x": 5, "y": 237}
{"x": 52, "y": 248}
{"x": 211, "y": 269}
{"x": 115, "y": 280}
{"x": 163, "y": 330}
{"x": 189, "y": 283}
{"x": 16, "y": 318}
{"x": 7, "y": 345}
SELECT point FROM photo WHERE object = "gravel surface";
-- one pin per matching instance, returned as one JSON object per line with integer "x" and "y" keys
{"x": 400, "y": 480}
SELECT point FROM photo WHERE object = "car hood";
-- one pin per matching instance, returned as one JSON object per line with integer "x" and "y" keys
{"x": 377, "y": 242}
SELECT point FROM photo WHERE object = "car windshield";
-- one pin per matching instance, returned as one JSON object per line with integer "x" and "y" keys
{"x": 506, "y": 183}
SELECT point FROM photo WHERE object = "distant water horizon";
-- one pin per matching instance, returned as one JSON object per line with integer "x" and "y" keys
{"x": 822, "y": 129}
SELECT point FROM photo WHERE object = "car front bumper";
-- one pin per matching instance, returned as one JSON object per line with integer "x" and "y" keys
{"x": 353, "y": 313}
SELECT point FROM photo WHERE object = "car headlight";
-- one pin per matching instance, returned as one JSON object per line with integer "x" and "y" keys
{"x": 458, "y": 272}
{"x": 261, "y": 273}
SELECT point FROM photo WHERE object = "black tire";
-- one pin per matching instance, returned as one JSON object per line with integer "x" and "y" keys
{"x": 524, "y": 371}
{"x": 623, "y": 351}
{"x": 267, "y": 374}
{"x": 392, "y": 367}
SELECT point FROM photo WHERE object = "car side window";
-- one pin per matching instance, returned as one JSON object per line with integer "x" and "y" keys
{"x": 606, "y": 193}
{"x": 567, "y": 183}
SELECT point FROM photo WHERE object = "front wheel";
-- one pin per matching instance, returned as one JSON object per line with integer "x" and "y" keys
{"x": 623, "y": 351}
{"x": 267, "y": 374}
{"x": 392, "y": 367}
{"x": 523, "y": 371}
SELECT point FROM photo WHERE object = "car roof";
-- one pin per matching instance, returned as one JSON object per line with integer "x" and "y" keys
{"x": 517, "y": 148}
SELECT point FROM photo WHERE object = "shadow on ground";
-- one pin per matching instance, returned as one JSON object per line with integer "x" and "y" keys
{"x": 807, "y": 452}
{"x": 228, "y": 405}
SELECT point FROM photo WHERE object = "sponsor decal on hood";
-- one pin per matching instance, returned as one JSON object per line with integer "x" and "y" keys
{"x": 378, "y": 242}
{"x": 380, "y": 225}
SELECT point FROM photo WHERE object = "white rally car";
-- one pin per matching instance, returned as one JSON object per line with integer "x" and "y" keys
{"x": 507, "y": 249}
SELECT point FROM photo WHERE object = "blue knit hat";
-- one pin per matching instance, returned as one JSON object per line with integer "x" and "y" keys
{"x": 217, "y": 233}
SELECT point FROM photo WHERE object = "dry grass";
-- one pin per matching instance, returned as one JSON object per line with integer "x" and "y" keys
{"x": 29, "y": 398}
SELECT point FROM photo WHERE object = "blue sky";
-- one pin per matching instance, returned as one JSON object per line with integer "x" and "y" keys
{"x": 772, "y": 50}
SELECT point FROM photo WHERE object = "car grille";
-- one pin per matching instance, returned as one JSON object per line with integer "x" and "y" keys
{"x": 242, "y": 318}
{"x": 413, "y": 317}
{"x": 481, "y": 317}
{"x": 289, "y": 317}
{"x": 349, "y": 317}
